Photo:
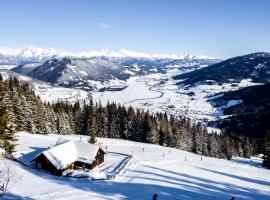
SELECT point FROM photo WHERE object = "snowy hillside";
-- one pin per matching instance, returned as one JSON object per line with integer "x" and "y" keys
{"x": 255, "y": 66}
{"x": 77, "y": 73}
{"x": 48, "y": 92}
{"x": 251, "y": 113}
{"x": 171, "y": 173}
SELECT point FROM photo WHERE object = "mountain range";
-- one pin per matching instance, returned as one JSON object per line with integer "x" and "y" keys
{"x": 255, "y": 66}
{"x": 212, "y": 81}
{"x": 81, "y": 69}
{"x": 17, "y": 56}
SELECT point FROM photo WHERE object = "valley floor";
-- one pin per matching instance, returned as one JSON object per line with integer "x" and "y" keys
{"x": 153, "y": 169}
{"x": 160, "y": 93}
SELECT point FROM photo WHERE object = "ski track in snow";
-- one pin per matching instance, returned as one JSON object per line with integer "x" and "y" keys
{"x": 148, "y": 172}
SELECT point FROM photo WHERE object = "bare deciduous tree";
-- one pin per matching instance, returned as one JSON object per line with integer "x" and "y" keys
{"x": 8, "y": 176}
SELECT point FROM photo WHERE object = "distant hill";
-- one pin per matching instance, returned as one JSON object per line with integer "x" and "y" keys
{"x": 73, "y": 72}
{"x": 250, "y": 118}
{"x": 254, "y": 66}
{"x": 84, "y": 73}
{"x": 249, "y": 110}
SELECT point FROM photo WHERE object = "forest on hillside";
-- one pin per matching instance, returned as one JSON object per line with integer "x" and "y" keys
{"x": 27, "y": 112}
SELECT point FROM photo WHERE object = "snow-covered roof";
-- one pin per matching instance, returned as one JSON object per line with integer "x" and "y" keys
{"x": 66, "y": 152}
{"x": 61, "y": 141}
{"x": 61, "y": 155}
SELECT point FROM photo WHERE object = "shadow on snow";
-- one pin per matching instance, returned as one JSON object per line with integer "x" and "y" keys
{"x": 178, "y": 186}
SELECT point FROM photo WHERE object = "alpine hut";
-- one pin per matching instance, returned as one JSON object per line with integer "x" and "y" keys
{"x": 69, "y": 155}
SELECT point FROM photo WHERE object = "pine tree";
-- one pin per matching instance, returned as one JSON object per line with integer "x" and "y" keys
{"x": 90, "y": 122}
{"x": 153, "y": 137}
{"x": 195, "y": 139}
{"x": 85, "y": 117}
{"x": 226, "y": 146}
{"x": 161, "y": 137}
{"x": 7, "y": 129}
{"x": 101, "y": 122}
{"x": 247, "y": 149}
{"x": 165, "y": 128}
{"x": 131, "y": 124}
{"x": 203, "y": 141}
{"x": 122, "y": 122}
{"x": 266, "y": 157}
{"x": 77, "y": 116}
{"x": 171, "y": 138}
{"x": 213, "y": 146}
{"x": 93, "y": 127}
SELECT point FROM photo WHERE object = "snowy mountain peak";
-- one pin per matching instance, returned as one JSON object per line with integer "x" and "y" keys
{"x": 32, "y": 52}
{"x": 38, "y": 54}
{"x": 124, "y": 53}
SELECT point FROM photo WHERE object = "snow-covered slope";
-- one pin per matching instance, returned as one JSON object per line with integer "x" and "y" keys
{"x": 171, "y": 174}
{"x": 255, "y": 66}
{"x": 48, "y": 92}
{"x": 10, "y": 56}
{"x": 77, "y": 73}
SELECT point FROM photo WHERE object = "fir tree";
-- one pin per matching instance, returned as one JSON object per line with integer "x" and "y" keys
{"x": 101, "y": 122}
{"x": 266, "y": 157}
{"x": 153, "y": 136}
{"x": 7, "y": 129}
{"x": 85, "y": 117}
{"x": 226, "y": 146}
{"x": 77, "y": 116}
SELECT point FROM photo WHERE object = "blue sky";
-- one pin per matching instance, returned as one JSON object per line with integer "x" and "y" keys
{"x": 220, "y": 28}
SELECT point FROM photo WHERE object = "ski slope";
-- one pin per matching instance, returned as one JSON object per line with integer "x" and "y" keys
{"x": 153, "y": 169}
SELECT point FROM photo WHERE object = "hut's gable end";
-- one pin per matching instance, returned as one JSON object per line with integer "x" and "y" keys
{"x": 43, "y": 163}
{"x": 99, "y": 158}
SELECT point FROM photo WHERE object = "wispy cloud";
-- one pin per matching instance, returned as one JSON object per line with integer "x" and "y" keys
{"x": 104, "y": 26}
